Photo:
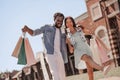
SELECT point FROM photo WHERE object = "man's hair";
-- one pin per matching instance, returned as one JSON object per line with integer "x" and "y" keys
{"x": 58, "y": 14}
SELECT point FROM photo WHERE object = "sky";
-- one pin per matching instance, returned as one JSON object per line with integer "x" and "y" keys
{"x": 14, "y": 14}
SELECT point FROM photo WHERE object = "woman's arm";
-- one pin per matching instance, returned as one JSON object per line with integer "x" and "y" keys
{"x": 71, "y": 49}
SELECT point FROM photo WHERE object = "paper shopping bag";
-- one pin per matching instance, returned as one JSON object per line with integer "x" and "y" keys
{"x": 95, "y": 51}
{"x": 102, "y": 44}
{"x": 22, "y": 54}
{"x": 102, "y": 51}
{"x": 17, "y": 48}
{"x": 29, "y": 53}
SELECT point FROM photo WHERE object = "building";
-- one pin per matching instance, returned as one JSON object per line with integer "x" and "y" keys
{"x": 103, "y": 19}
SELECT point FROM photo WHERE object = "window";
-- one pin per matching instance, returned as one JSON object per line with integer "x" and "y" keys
{"x": 95, "y": 11}
{"x": 112, "y": 7}
{"x": 101, "y": 33}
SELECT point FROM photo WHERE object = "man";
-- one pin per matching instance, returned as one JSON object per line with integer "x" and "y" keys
{"x": 54, "y": 42}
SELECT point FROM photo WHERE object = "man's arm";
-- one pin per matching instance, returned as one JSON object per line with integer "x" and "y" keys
{"x": 27, "y": 29}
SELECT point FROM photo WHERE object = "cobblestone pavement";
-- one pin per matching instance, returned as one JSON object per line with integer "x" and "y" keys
{"x": 113, "y": 74}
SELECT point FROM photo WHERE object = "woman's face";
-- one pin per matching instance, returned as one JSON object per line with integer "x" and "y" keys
{"x": 69, "y": 23}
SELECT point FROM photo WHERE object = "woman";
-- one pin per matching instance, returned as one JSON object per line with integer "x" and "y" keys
{"x": 81, "y": 48}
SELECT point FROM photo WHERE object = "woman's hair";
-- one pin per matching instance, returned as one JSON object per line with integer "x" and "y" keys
{"x": 81, "y": 27}
{"x": 88, "y": 36}
{"x": 74, "y": 25}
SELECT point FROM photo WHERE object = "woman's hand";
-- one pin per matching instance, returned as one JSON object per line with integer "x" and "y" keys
{"x": 71, "y": 49}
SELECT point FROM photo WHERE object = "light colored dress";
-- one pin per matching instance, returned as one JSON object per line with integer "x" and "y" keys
{"x": 80, "y": 47}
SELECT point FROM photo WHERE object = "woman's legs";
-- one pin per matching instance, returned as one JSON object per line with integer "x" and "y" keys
{"x": 90, "y": 71}
{"x": 91, "y": 63}
{"x": 110, "y": 62}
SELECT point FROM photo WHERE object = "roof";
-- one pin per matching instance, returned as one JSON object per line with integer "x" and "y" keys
{"x": 17, "y": 75}
{"x": 81, "y": 17}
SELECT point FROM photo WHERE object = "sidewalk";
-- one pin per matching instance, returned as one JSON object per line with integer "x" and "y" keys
{"x": 111, "y": 78}
{"x": 113, "y": 74}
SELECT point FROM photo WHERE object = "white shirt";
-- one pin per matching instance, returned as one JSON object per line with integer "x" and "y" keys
{"x": 57, "y": 41}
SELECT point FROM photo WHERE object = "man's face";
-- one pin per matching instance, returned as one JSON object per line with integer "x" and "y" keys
{"x": 58, "y": 21}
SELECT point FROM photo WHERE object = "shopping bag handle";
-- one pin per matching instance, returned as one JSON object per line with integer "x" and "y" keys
{"x": 24, "y": 34}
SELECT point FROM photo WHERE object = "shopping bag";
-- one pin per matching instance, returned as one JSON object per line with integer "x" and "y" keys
{"x": 29, "y": 53}
{"x": 102, "y": 44}
{"x": 103, "y": 50}
{"x": 22, "y": 54}
{"x": 95, "y": 51}
{"x": 17, "y": 47}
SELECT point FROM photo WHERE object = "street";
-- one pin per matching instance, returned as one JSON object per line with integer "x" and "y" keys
{"x": 113, "y": 74}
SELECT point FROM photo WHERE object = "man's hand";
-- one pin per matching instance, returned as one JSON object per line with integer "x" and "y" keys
{"x": 25, "y": 29}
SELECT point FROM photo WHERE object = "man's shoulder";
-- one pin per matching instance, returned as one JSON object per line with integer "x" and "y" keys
{"x": 48, "y": 25}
